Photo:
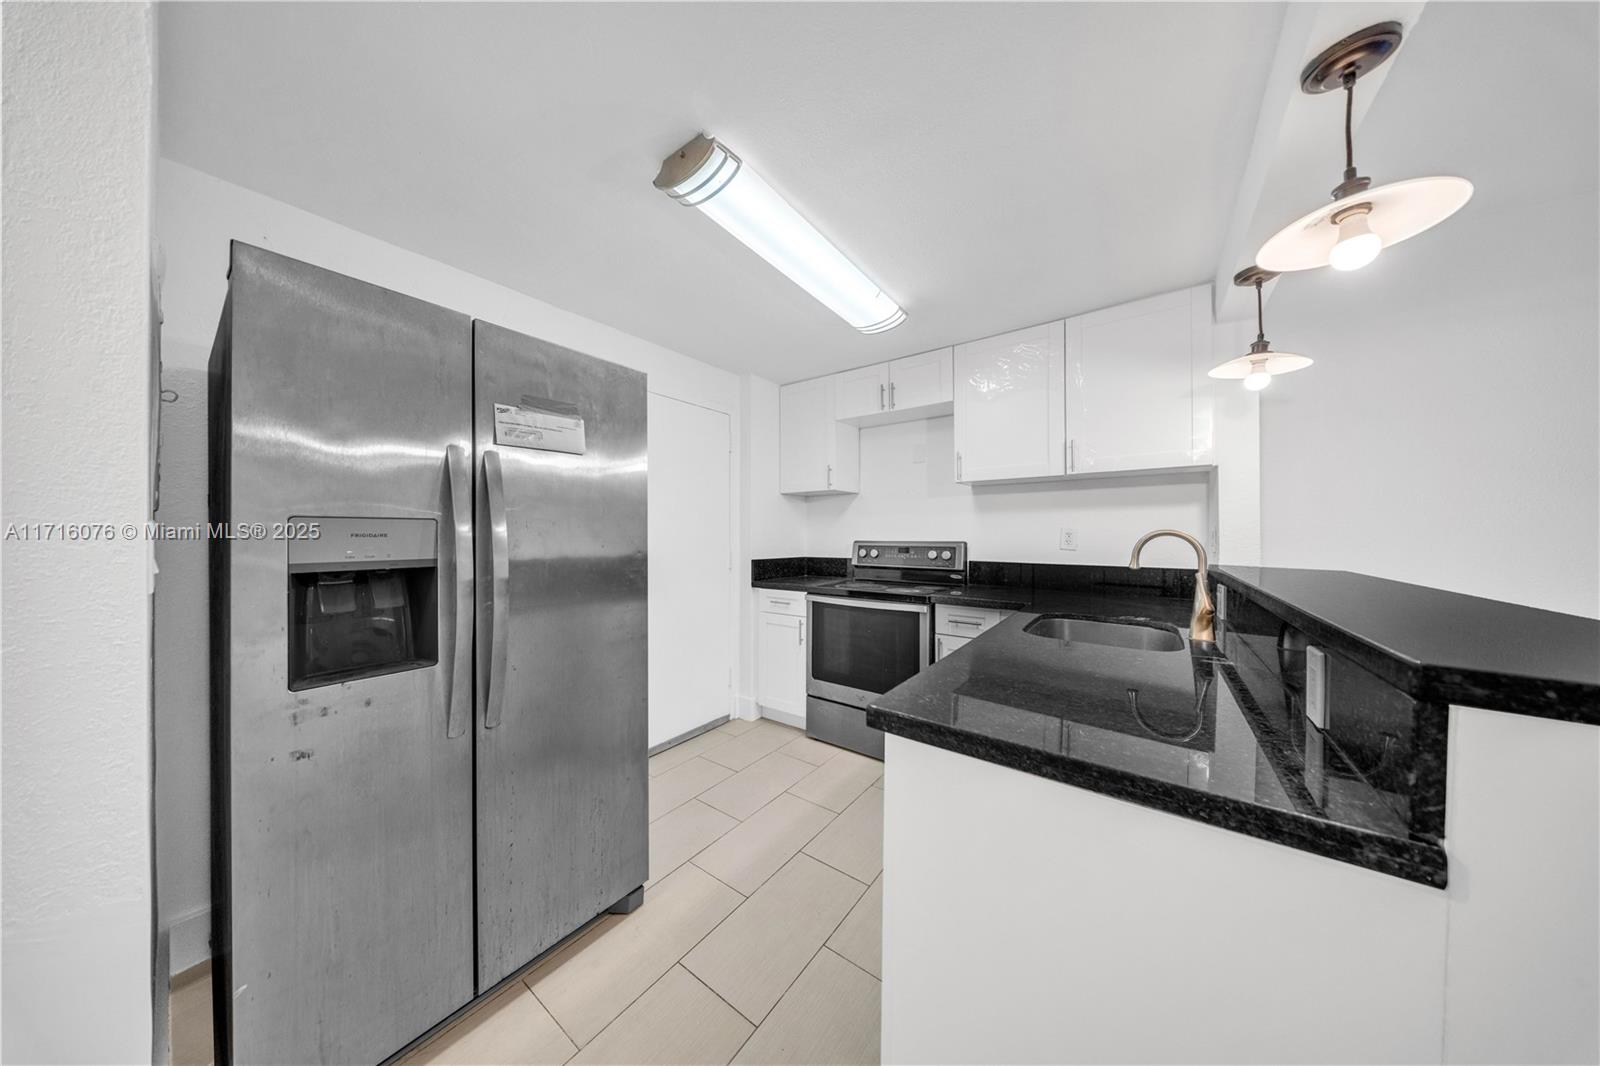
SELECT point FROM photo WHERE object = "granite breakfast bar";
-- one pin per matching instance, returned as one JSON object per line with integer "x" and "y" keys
{"x": 1178, "y": 844}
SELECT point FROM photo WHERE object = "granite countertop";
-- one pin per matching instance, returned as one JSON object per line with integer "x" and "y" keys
{"x": 1188, "y": 731}
{"x": 1441, "y": 646}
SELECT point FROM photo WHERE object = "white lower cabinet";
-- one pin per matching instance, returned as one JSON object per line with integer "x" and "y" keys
{"x": 781, "y": 653}
{"x": 954, "y": 627}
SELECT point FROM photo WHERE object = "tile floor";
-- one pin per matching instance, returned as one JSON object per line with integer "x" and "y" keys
{"x": 758, "y": 941}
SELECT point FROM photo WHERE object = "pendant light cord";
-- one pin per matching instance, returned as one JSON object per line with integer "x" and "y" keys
{"x": 1349, "y": 142}
{"x": 1261, "y": 332}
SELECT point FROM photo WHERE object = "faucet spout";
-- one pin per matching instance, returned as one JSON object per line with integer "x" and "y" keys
{"x": 1202, "y": 618}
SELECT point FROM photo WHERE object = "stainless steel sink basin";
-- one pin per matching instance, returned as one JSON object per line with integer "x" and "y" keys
{"x": 1107, "y": 634}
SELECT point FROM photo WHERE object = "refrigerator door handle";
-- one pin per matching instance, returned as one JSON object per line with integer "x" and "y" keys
{"x": 459, "y": 469}
{"x": 500, "y": 593}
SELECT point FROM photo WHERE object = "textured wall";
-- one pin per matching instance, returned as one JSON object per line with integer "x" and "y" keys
{"x": 75, "y": 330}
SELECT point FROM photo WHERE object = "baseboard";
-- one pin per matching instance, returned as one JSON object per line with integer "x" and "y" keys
{"x": 796, "y": 720}
{"x": 746, "y": 707}
{"x": 189, "y": 942}
{"x": 657, "y": 749}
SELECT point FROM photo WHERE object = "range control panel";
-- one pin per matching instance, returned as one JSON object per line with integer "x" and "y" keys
{"x": 912, "y": 554}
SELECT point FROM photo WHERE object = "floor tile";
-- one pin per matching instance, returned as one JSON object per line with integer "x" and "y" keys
{"x": 811, "y": 751}
{"x": 757, "y": 785}
{"x": 761, "y": 739}
{"x": 513, "y": 1027}
{"x": 753, "y": 956}
{"x": 679, "y": 1020}
{"x": 683, "y": 783}
{"x": 853, "y": 842}
{"x": 189, "y": 1017}
{"x": 836, "y": 783}
{"x": 859, "y": 937}
{"x": 735, "y": 726}
{"x": 679, "y": 834}
{"x": 678, "y": 754}
{"x": 748, "y": 855}
{"x": 586, "y": 989}
{"x": 831, "y": 1014}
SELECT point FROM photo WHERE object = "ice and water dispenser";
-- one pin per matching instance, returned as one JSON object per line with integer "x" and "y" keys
{"x": 363, "y": 598}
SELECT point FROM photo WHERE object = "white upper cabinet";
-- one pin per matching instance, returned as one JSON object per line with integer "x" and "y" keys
{"x": 923, "y": 385}
{"x": 901, "y": 390}
{"x": 861, "y": 393}
{"x": 1137, "y": 393}
{"x": 817, "y": 454}
{"x": 1010, "y": 406}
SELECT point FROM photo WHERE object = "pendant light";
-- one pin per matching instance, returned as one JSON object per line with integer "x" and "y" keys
{"x": 1257, "y": 367}
{"x": 1362, "y": 221}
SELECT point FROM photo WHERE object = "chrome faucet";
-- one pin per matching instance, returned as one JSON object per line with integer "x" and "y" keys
{"x": 1200, "y": 619}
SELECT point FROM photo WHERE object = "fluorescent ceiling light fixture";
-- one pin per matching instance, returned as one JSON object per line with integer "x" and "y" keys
{"x": 1257, "y": 367}
{"x": 1362, "y": 221}
{"x": 705, "y": 174}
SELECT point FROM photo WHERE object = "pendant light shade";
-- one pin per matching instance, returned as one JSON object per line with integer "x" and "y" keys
{"x": 1257, "y": 367}
{"x": 1362, "y": 220}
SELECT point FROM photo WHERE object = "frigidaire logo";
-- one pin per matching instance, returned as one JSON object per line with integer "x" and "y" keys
{"x": 361, "y": 534}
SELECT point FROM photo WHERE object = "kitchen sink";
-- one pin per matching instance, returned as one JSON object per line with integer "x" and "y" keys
{"x": 1139, "y": 636}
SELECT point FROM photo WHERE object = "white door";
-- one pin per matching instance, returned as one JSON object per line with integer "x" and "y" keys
{"x": 1010, "y": 406}
{"x": 1131, "y": 372}
{"x": 921, "y": 380}
{"x": 861, "y": 392}
{"x": 691, "y": 588}
{"x": 781, "y": 663}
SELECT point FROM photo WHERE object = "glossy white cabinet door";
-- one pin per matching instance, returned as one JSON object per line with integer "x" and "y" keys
{"x": 781, "y": 663}
{"x": 1132, "y": 373}
{"x": 943, "y": 645}
{"x": 1010, "y": 406}
{"x": 925, "y": 380}
{"x": 817, "y": 454}
{"x": 861, "y": 392}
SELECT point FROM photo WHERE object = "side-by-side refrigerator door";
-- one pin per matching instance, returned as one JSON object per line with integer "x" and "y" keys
{"x": 342, "y": 666}
{"x": 561, "y": 679}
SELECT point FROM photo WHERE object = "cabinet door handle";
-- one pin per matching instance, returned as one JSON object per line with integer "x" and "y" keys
{"x": 800, "y": 634}
{"x": 1072, "y": 456}
{"x": 891, "y": 396}
{"x": 774, "y": 599}
{"x": 958, "y": 466}
{"x": 964, "y": 622}
{"x": 880, "y": 396}
{"x": 938, "y": 648}
{"x": 830, "y": 476}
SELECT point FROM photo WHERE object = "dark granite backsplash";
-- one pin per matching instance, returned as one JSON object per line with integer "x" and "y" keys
{"x": 1165, "y": 581}
{"x": 796, "y": 566}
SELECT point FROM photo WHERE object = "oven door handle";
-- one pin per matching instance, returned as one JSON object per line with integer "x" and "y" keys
{"x": 871, "y": 605}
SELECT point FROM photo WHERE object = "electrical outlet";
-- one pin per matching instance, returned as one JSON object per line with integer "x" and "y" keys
{"x": 1069, "y": 540}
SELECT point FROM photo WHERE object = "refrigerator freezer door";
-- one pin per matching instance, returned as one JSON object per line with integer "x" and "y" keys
{"x": 561, "y": 658}
{"x": 344, "y": 810}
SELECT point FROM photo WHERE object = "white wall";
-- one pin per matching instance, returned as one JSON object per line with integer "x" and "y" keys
{"x": 909, "y": 490}
{"x": 76, "y": 333}
{"x": 196, "y": 216}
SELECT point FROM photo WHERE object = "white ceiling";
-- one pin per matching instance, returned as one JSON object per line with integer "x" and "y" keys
{"x": 990, "y": 164}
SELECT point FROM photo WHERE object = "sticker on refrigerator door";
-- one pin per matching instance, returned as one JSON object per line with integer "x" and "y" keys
{"x": 548, "y": 425}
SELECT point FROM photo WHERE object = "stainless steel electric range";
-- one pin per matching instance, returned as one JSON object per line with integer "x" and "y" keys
{"x": 870, "y": 631}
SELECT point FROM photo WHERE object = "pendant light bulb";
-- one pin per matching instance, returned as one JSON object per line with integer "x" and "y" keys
{"x": 1259, "y": 377}
{"x": 1357, "y": 245}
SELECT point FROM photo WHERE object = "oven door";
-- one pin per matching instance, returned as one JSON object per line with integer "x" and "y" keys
{"x": 862, "y": 648}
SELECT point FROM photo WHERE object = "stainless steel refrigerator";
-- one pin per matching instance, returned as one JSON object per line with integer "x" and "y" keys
{"x": 428, "y": 658}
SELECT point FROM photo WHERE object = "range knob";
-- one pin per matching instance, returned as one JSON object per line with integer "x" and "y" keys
{"x": 932, "y": 554}
{"x": 861, "y": 553}
{"x": 944, "y": 554}
{"x": 873, "y": 553}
